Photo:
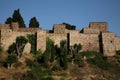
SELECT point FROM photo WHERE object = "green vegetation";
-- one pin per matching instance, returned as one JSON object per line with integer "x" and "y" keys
{"x": 37, "y": 72}
{"x": 9, "y": 20}
{"x": 50, "y": 52}
{"x": 96, "y": 58}
{"x": 16, "y": 17}
{"x": 53, "y": 59}
{"x": 63, "y": 54}
{"x": 118, "y": 52}
{"x": 32, "y": 40}
{"x": 12, "y": 48}
{"x": 11, "y": 58}
{"x": 1, "y": 50}
{"x": 33, "y": 23}
{"x": 18, "y": 46}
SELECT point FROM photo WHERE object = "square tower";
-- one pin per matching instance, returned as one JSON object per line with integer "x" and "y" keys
{"x": 101, "y": 26}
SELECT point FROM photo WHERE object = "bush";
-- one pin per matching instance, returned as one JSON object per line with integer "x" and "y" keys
{"x": 1, "y": 49}
{"x": 29, "y": 63}
{"x": 29, "y": 76}
{"x": 92, "y": 57}
{"x": 11, "y": 58}
{"x": 100, "y": 61}
{"x": 118, "y": 52}
{"x": 119, "y": 60}
{"x": 78, "y": 60}
{"x": 56, "y": 68}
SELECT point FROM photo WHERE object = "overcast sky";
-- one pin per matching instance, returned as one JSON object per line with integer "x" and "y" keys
{"x": 75, "y": 12}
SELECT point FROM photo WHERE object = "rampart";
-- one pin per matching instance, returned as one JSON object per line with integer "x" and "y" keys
{"x": 95, "y": 37}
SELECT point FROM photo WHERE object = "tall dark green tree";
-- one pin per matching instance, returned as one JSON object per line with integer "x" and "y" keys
{"x": 18, "y": 18}
{"x": 33, "y": 23}
{"x": 32, "y": 40}
{"x": 50, "y": 49}
{"x": 63, "y": 54}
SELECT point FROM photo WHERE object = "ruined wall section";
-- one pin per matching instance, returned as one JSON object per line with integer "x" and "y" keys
{"x": 108, "y": 44}
{"x": 41, "y": 40}
{"x": 88, "y": 41}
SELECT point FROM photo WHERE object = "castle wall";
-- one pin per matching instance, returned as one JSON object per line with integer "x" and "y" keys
{"x": 88, "y": 41}
{"x": 108, "y": 44}
{"x": 96, "y": 37}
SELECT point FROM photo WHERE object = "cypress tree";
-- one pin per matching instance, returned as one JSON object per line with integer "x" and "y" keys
{"x": 18, "y": 18}
{"x": 33, "y": 23}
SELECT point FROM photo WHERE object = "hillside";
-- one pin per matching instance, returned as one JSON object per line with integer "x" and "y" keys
{"x": 21, "y": 71}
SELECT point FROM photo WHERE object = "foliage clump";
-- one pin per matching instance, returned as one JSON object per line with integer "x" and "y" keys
{"x": 11, "y": 58}
{"x": 18, "y": 46}
{"x": 33, "y": 23}
{"x": 32, "y": 41}
{"x": 70, "y": 27}
{"x": 16, "y": 17}
{"x": 118, "y": 52}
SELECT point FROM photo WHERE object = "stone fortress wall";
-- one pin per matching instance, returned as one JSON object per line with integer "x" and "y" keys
{"x": 95, "y": 37}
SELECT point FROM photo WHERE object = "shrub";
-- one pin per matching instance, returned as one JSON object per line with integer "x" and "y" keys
{"x": 56, "y": 67}
{"x": 29, "y": 63}
{"x": 32, "y": 40}
{"x": 118, "y": 52}
{"x": 11, "y": 58}
{"x": 29, "y": 76}
{"x": 100, "y": 61}
{"x": 78, "y": 60}
{"x": 1, "y": 48}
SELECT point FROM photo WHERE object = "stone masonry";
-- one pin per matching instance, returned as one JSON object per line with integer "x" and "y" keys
{"x": 96, "y": 37}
